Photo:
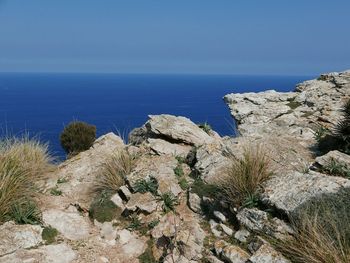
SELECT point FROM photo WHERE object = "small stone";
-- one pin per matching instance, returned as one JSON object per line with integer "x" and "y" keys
{"x": 242, "y": 235}
{"x": 194, "y": 202}
{"x": 267, "y": 254}
{"x": 213, "y": 228}
{"x": 228, "y": 231}
{"x": 220, "y": 216}
{"x": 117, "y": 200}
{"x": 230, "y": 253}
{"x": 145, "y": 202}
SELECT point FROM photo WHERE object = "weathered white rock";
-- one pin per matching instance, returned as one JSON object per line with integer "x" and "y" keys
{"x": 339, "y": 157}
{"x": 228, "y": 231}
{"x": 14, "y": 237}
{"x": 145, "y": 202}
{"x": 60, "y": 253}
{"x": 131, "y": 245}
{"x": 290, "y": 193}
{"x": 257, "y": 220}
{"x": 160, "y": 168}
{"x": 230, "y": 253}
{"x": 178, "y": 129}
{"x": 242, "y": 235}
{"x": 213, "y": 227}
{"x": 108, "y": 233}
{"x": 160, "y": 147}
{"x": 125, "y": 192}
{"x": 194, "y": 202}
{"x": 70, "y": 224}
{"x": 118, "y": 201}
{"x": 267, "y": 254}
{"x": 220, "y": 216}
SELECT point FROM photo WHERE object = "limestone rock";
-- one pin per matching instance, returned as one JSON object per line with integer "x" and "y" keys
{"x": 242, "y": 235}
{"x": 60, "y": 253}
{"x": 131, "y": 245}
{"x": 179, "y": 129}
{"x": 194, "y": 202}
{"x": 339, "y": 157}
{"x": 118, "y": 201}
{"x": 14, "y": 237}
{"x": 267, "y": 254}
{"x": 160, "y": 168}
{"x": 160, "y": 147}
{"x": 230, "y": 253}
{"x": 70, "y": 224}
{"x": 290, "y": 193}
{"x": 257, "y": 220}
{"x": 145, "y": 202}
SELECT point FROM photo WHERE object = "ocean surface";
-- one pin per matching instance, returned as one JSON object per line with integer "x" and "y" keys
{"x": 42, "y": 104}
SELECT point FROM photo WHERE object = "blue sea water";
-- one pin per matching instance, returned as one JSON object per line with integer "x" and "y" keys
{"x": 42, "y": 104}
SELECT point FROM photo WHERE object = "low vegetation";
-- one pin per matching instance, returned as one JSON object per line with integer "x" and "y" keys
{"x": 169, "y": 201}
{"x": 337, "y": 138}
{"x": 146, "y": 185}
{"x": 77, "y": 136}
{"x": 115, "y": 170}
{"x": 23, "y": 161}
{"x": 321, "y": 236}
{"x": 242, "y": 180}
{"x": 103, "y": 209}
{"x": 49, "y": 235}
{"x": 205, "y": 127}
{"x": 336, "y": 168}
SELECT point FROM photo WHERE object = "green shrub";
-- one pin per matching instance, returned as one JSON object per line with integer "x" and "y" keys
{"x": 149, "y": 185}
{"x": 202, "y": 188}
{"x": 103, "y": 209}
{"x": 183, "y": 183}
{"x": 77, "y": 136}
{"x": 49, "y": 234}
{"x": 179, "y": 171}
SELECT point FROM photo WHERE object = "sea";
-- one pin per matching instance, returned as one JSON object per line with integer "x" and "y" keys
{"x": 41, "y": 104}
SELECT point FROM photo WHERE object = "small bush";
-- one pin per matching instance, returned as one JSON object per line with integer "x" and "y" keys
{"x": 25, "y": 213}
{"x": 243, "y": 178}
{"x": 149, "y": 185}
{"x": 49, "y": 234}
{"x": 205, "y": 127}
{"x": 115, "y": 171}
{"x": 77, "y": 136}
{"x": 202, "y": 188}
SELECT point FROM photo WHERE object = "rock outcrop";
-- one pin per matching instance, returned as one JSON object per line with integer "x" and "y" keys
{"x": 165, "y": 210}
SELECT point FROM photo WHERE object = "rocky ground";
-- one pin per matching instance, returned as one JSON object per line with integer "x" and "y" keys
{"x": 182, "y": 159}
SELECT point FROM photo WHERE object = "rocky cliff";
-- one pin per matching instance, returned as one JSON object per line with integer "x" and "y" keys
{"x": 175, "y": 217}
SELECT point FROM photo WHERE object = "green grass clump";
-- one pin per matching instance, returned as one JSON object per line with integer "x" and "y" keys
{"x": 23, "y": 161}
{"x": 169, "y": 201}
{"x": 183, "y": 183}
{"x": 179, "y": 171}
{"x": 77, "y": 136}
{"x": 103, "y": 209}
{"x": 25, "y": 212}
{"x": 146, "y": 185}
{"x": 49, "y": 234}
{"x": 205, "y": 127}
{"x": 55, "y": 191}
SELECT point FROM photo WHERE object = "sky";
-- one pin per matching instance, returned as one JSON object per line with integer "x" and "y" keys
{"x": 281, "y": 37}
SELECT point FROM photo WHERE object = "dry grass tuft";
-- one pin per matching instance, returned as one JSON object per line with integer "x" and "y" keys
{"x": 320, "y": 238}
{"x": 22, "y": 162}
{"x": 244, "y": 176}
{"x": 115, "y": 170}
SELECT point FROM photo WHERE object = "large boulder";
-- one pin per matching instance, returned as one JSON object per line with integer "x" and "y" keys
{"x": 171, "y": 128}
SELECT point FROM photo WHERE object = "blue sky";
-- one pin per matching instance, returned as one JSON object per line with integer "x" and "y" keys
{"x": 182, "y": 36}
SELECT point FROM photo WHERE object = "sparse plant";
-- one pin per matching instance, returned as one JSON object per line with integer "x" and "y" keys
{"x": 147, "y": 256}
{"x": 183, "y": 183}
{"x": 146, "y": 185}
{"x": 135, "y": 223}
{"x": 49, "y": 234}
{"x": 205, "y": 127}
{"x": 169, "y": 201}
{"x": 178, "y": 170}
{"x": 321, "y": 236}
{"x": 153, "y": 223}
{"x": 244, "y": 176}
{"x": 320, "y": 133}
{"x": 55, "y": 191}
{"x": 334, "y": 167}
{"x": 115, "y": 171}
{"x": 251, "y": 201}
{"x": 77, "y": 136}
{"x": 202, "y": 188}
